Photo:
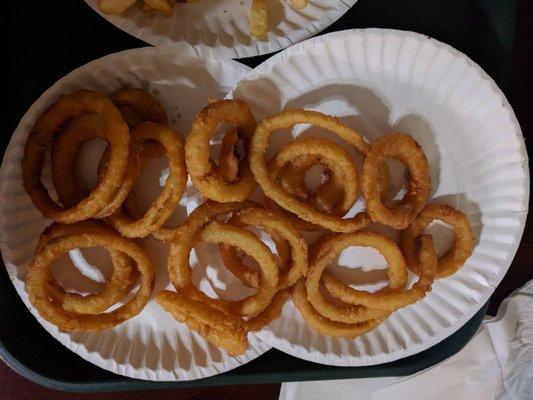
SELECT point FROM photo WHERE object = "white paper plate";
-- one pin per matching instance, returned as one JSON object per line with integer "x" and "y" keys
{"x": 152, "y": 345}
{"x": 221, "y": 27}
{"x": 382, "y": 80}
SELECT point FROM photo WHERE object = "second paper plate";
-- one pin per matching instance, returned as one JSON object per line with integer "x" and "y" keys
{"x": 378, "y": 81}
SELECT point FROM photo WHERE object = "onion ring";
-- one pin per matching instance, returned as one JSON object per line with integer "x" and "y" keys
{"x": 193, "y": 229}
{"x": 120, "y": 283}
{"x": 462, "y": 246}
{"x": 327, "y": 326}
{"x": 39, "y": 272}
{"x": 328, "y": 250}
{"x": 233, "y": 260}
{"x": 161, "y": 208}
{"x": 405, "y": 149}
{"x": 272, "y": 189}
{"x": 204, "y": 173}
{"x": 66, "y": 147}
{"x": 329, "y": 197}
{"x": 281, "y": 230}
{"x": 47, "y": 126}
{"x": 336, "y": 196}
{"x": 389, "y": 299}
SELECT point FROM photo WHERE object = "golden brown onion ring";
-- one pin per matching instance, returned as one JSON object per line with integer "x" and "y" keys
{"x": 163, "y": 206}
{"x": 405, "y": 149}
{"x": 325, "y": 325}
{"x": 328, "y": 250}
{"x": 204, "y": 173}
{"x": 281, "y": 231}
{"x": 120, "y": 283}
{"x": 194, "y": 229}
{"x": 336, "y": 196}
{"x": 39, "y": 273}
{"x": 462, "y": 246}
{"x": 47, "y": 126}
{"x": 137, "y": 105}
{"x": 388, "y": 299}
{"x": 272, "y": 189}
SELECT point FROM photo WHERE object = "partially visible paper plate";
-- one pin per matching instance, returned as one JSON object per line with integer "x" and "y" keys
{"x": 221, "y": 28}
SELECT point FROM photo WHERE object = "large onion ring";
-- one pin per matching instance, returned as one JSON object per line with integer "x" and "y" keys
{"x": 281, "y": 230}
{"x": 205, "y": 175}
{"x": 328, "y": 250}
{"x": 39, "y": 272}
{"x": 405, "y": 149}
{"x": 120, "y": 283}
{"x": 194, "y": 229}
{"x": 462, "y": 246}
{"x": 161, "y": 208}
{"x": 228, "y": 162}
{"x": 272, "y": 189}
{"x": 136, "y": 106}
{"x": 388, "y": 299}
{"x": 47, "y": 126}
{"x": 325, "y": 325}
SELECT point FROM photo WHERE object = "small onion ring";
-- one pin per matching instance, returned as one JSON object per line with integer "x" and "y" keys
{"x": 328, "y": 250}
{"x": 233, "y": 259}
{"x": 272, "y": 189}
{"x": 405, "y": 149}
{"x": 290, "y": 167}
{"x": 120, "y": 283}
{"x": 282, "y": 229}
{"x": 47, "y": 126}
{"x": 204, "y": 173}
{"x": 462, "y": 246}
{"x": 329, "y": 197}
{"x": 39, "y": 272}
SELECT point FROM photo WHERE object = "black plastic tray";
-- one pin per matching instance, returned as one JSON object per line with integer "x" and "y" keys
{"x": 483, "y": 29}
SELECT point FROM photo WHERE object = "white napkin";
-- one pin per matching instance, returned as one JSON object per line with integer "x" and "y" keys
{"x": 496, "y": 364}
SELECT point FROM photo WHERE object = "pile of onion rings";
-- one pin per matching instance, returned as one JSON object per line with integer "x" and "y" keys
{"x": 135, "y": 126}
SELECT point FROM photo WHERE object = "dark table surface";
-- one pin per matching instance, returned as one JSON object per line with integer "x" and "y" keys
{"x": 46, "y": 40}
